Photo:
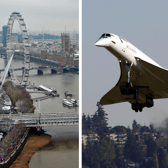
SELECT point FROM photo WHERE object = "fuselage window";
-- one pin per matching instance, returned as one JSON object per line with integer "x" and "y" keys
{"x": 121, "y": 40}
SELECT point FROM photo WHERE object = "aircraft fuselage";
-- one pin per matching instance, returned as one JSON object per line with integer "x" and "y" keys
{"x": 137, "y": 79}
{"x": 122, "y": 49}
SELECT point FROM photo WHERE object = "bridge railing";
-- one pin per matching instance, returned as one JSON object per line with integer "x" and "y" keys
{"x": 40, "y": 119}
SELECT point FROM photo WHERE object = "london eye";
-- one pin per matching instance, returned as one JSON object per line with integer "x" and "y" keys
{"x": 25, "y": 73}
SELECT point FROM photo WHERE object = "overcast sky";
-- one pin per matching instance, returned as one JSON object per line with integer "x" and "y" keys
{"x": 145, "y": 25}
{"x": 47, "y": 15}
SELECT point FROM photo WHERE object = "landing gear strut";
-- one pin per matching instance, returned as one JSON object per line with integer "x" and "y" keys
{"x": 128, "y": 69}
{"x": 135, "y": 91}
{"x": 135, "y": 106}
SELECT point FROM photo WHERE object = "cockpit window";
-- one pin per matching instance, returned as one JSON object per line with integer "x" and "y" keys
{"x": 106, "y": 35}
{"x": 103, "y": 35}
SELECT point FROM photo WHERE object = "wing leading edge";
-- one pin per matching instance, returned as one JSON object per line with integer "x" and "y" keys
{"x": 114, "y": 95}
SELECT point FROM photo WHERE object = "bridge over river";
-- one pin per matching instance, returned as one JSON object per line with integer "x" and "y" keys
{"x": 40, "y": 119}
{"x": 54, "y": 70}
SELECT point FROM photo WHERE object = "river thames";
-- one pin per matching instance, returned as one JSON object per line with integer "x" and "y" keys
{"x": 63, "y": 151}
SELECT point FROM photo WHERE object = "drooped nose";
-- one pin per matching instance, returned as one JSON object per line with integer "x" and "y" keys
{"x": 103, "y": 42}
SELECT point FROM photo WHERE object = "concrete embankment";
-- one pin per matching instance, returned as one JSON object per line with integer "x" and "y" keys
{"x": 33, "y": 143}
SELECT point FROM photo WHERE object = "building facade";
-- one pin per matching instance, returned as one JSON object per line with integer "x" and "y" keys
{"x": 4, "y": 33}
{"x": 65, "y": 41}
{"x": 62, "y": 58}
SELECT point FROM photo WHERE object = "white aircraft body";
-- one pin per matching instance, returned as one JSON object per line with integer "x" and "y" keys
{"x": 141, "y": 80}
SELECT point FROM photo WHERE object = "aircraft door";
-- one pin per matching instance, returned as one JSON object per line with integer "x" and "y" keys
{"x": 123, "y": 44}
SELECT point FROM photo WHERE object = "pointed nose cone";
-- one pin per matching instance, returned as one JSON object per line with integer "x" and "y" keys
{"x": 98, "y": 43}
{"x": 102, "y": 42}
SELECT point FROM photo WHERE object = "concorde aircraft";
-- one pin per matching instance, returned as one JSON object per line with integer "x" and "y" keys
{"x": 141, "y": 81}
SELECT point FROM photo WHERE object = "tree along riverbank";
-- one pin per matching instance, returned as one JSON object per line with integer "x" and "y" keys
{"x": 20, "y": 98}
{"x": 16, "y": 136}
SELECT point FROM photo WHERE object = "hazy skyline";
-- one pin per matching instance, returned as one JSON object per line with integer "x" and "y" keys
{"x": 142, "y": 23}
{"x": 46, "y": 16}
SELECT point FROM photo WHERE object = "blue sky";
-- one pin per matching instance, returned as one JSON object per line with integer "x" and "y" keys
{"x": 142, "y": 23}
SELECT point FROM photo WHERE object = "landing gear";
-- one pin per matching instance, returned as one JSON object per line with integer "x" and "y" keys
{"x": 137, "y": 93}
{"x": 137, "y": 107}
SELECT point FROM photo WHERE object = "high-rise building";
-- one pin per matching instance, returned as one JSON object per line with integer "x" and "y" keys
{"x": 65, "y": 40}
{"x": 4, "y": 32}
{"x": 20, "y": 39}
{"x": 0, "y": 36}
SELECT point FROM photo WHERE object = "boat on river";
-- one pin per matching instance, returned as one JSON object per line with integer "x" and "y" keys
{"x": 67, "y": 103}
